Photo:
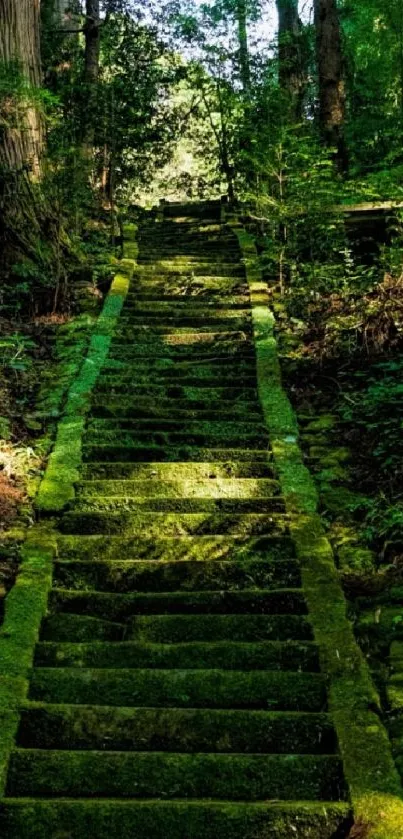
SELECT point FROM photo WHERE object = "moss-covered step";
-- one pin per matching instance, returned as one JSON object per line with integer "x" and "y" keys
{"x": 95, "y": 819}
{"x": 228, "y": 655}
{"x": 116, "y": 503}
{"x": 87, "y": 774}
{"x": 176, "y": 472}
{"x": 177, "y": 629}
{"x": 171, "y": 409}
{"x": 177, "y": 350}
{"x": 170, "y": 454}
{"x": 167, "y": 379}
{"x": 161, "y": 396}
{"x": 81, "y": 628}
{"x": 153, "y": 524}
{"x": 175, "y": 730}
{"x": 182, "y": 268}
{"x": 121, "y": 607}
{"x": 197, "y": 575}
{"x": 268, "y": 689}
{"x": 186, "y": 335}
{"x": 236, "y": 299}
{"x": 168, "y": 432}
{"x": 182, "y": 548}
{"x": 211, "y": 487}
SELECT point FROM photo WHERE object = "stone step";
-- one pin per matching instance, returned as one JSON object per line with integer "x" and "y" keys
{"x": 175, "y": 730}
{"x": 177, "y": 350}
{"x": 228, "y": 319}
{"x": 210, "y": 488}
{"x": 166, "y": 379}
{"x": 235, "y": 777}
{"x": 104, "y": 407}
{"x": 170, "y": 269}
{"x": 148, "y": 504}
{"x": 255, "y": 689}
{"x": 162, "y": 432}
{"x": 178, "y": 472}
{"x": 160, "y": 819}
{"x": 183, "y": 334}
{"x": 178, "y": 549}
{"x": 228, "y": 655}
{"x": 154, "y": 524}
{"x": 169, "y": 454}
{"x": 165, "y": 391}
{"x": 186, "y": 305}
{"x": 177, "y": 629}
{"x": 148, "y": 293}
{"x": 174, "y": 575}
{"x": 124, "y": 607}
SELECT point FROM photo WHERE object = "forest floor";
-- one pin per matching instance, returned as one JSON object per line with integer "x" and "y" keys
{"x": 342, "y": 363}
{"x": 39, "y": 355}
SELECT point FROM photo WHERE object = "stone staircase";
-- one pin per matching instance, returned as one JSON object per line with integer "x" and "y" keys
{"x": 177, "y": 691}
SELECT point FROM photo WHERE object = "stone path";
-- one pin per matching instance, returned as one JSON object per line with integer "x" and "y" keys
{"x": 177, "y": 691}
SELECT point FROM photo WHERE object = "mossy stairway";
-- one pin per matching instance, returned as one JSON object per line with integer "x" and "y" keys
{"x": 177, "y": 691}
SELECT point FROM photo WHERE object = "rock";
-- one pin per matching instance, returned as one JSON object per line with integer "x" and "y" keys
{"x": 356, "y": 559}
{"x": 335, "y": 456}
{"x": 323, "y": 423}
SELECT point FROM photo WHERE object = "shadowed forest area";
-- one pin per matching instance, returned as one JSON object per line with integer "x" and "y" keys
{"x": 289, "y": 116}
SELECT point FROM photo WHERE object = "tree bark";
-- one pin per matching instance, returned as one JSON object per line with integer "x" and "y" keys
{"x": 21, "y": 138}
{"x": 292, "y": 76}
{"x": 244, "y": 60}
{"x": 92, "y": 33}
{"x": 332, "y": 100}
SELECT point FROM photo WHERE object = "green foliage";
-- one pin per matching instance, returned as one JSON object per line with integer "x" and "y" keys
{"x": 376, "y": 411}
{"x": 16, "y": 353}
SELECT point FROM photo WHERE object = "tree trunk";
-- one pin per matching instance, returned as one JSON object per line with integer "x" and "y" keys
{"x": 91, "y": 72}
{"x": 292, "y": 75}
{"x": 21, "y": 138}
{"x": 243, "y": 46}
{"x": 332, "y": 101}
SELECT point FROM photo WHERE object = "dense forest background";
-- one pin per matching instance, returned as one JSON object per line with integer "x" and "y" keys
{"x": 294, "y": 112}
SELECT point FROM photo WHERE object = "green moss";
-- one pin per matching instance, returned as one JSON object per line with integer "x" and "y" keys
{"x": 176, "y": 575}
{"x": 272, "y": 690}
{"x": 88, "y": 774}
{"x": 179, "y": 820}
{"x": 120, "y": 607}
{"x": 25, "y": 607}
{"x": 270, "y": 655}
{"x": 173, "y": 524}
{"x": 182, "y": 730}
{"x": 168, "y": 549}
{"x": 374, "y": 784}
{"x": 57, "y": 487}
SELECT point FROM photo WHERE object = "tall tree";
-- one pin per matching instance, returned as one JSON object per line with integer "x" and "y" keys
{"x": 21, "y": 137}
{"x": 244, "y": 61}
{"x": 332, "y": 99}
{"x": 92, "y": 31}
{"x": 292, "y": 76}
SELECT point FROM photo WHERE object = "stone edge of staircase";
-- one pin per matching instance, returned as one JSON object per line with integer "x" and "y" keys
{"x": 26, "y": 604}
{"x": 374, "y": 784}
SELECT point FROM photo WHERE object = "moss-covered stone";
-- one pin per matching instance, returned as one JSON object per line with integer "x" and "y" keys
{"x": 176, "y": 730}
{"x": 273, "y": 690}
{"x": 374, "y": 784}
{"x": 95, "y": 819}
{"x": 48, "y": 773}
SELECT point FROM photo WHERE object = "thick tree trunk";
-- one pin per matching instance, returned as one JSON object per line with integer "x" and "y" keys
{"x": 292, "y": 75}
{"x": 91, "y": 71}
{"x": 332, "y": 101}
{"x": 244, "y": 60}
{"x": 21, "y": 139}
